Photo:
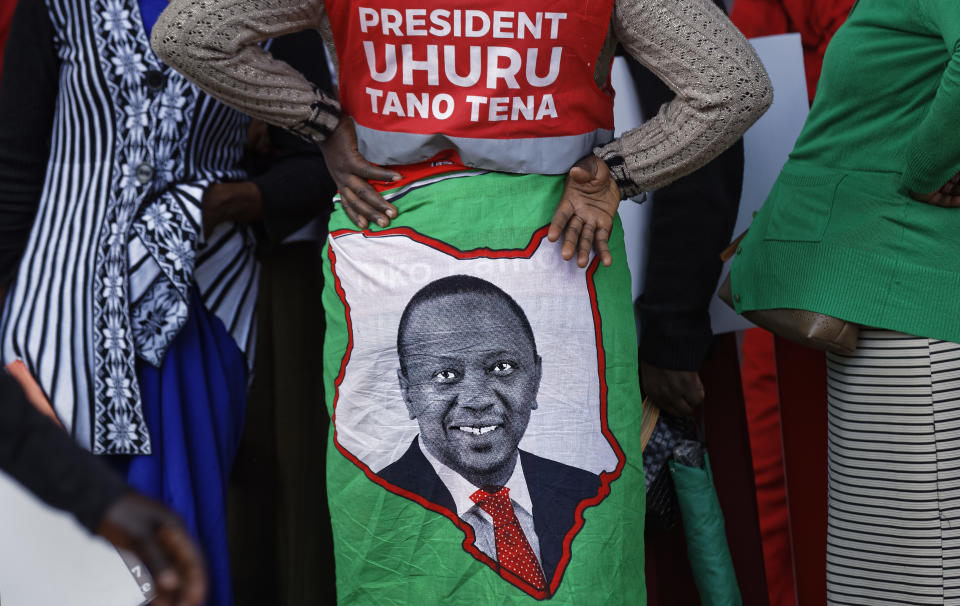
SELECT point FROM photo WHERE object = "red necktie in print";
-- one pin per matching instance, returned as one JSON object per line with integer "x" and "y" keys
{"x": 513, "y": 550}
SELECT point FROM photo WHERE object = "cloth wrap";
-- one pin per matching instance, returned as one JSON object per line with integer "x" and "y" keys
{"x": 395, "y": 547}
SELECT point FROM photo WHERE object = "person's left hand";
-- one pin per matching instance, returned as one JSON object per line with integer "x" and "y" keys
{"x": 948, "y": 195}
{"x": 159, "y": 539}
{"x": 258, "y": 139}
{"x": 678, "y": 392}
{"x": 585, "y": 212}
{"x": 239, "y": 202}
{"x": 352, "y": 173}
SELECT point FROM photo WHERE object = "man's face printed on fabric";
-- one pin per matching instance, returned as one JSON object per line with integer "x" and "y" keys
{"x": 471, "y": 379}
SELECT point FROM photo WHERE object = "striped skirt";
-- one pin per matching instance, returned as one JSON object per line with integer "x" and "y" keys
{"x": 894, "y": 469}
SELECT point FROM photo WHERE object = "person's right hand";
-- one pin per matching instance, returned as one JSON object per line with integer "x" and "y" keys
{"x": 159, "y": 539}
{"x": 258, "y": 139}
{"x": 679, "y": 392}
{"x": 352, "y": 173}
{"x": 584, "y": 216}
{"x": 238, "y": 202}
{"x": 948, "y": 195}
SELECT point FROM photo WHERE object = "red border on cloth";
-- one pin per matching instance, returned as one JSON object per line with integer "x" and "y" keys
{"x": 606, "y": 478}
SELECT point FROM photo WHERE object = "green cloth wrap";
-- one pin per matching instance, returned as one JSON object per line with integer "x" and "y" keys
{"x": 392, "y": 550}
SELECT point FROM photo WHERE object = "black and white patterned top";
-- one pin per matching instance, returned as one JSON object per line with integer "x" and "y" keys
{"x": 117, "y": 240}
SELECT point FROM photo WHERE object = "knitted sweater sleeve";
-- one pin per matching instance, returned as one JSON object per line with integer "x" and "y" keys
{"x": 932, "y": 157}
{"x": 215, "y": 44}
{"x": 721, "y": 86}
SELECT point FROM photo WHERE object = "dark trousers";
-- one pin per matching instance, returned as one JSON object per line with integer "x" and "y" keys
{"x": 281, "y": 544}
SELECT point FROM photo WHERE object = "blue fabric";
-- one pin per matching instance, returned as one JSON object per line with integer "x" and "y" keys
{"x": 194, "y": 406}
{"x": 149, "y": 12}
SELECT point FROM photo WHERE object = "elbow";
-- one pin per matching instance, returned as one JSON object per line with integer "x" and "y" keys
{"x": 758, "y": 96}
{"x": 166, "y": 40}
{"x": 173, "y": 38}
{"x": 766, "y": 97}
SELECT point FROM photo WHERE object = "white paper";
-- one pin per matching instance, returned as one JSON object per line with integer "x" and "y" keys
{"x": 47, "y": 558}
{"x": 767, "y": 145}
{"x": 635, "y": 217}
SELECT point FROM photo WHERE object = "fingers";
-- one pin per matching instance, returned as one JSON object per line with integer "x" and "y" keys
{"x": 952, "y": 188}
{"x": 947, "y": 196}
{"x": 946, "y": 201}
{"x": 579, "y": 174}
{"x": 585, "y": 245}
{"x": 586, "y": 212}
{"x": 586, "y": 169}
{"x": 670, "y": 400}
{"x": 160, "y": 541}
{"x": 363, "y": 203}
{"x": 602, "y": 245}
{"x": 373, "y": 198}
{"x": 364, "y": 206}
{"x": 166, "y": 579}
{"x": 561, "y": 217}
{"x": 371, "y": 172}
{"x": 678, "y": 392}
{"x": 690, "y": 389}
{"x": 571, "y": 237}
{"x": 179, "y": 573}
{"x": 188, "y": 562}
{"x": 591, "y": 236}
{"x": 580, "y": 236}
{"x": 356, "y": 209}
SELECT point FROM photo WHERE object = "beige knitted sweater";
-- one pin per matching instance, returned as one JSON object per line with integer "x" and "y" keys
{"x": 720, "y": 83}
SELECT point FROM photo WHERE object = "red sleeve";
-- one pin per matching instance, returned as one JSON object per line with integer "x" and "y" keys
{"x": 823, "y": 19}
{"x": 6, "y": 15}
{"x": 815, "y": 20}
{"x": 759, "y": 17}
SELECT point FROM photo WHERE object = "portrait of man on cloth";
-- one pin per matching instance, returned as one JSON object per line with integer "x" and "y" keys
{"x": 458, "y": 393}
{"x": 469, "y": 373}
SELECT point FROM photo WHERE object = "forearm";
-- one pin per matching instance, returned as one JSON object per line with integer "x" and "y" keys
{"x": 691, "y": 223}
{"x": 721, "y": 86}
{"x": 215, "y": 45}
{"x": 293, "y": 180}
{"x": 295, "y": 190}
{"x": 43, "y": 458}
{"x": 930, "y": 159}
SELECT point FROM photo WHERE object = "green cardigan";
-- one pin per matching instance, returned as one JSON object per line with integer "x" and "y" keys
{"x": 839, "y": 233}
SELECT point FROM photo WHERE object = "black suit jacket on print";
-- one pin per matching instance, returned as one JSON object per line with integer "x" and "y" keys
{"x": 555, "y": 491}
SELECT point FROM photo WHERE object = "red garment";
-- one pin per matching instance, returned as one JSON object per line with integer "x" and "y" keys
{"x": 758, "y": 372}
{"x": 6, "y": 15}
{"x": 815, "y": 20}
{"x": 422, "y": 80}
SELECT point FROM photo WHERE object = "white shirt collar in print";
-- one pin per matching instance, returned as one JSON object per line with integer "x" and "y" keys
{"x": 461, "y": 489}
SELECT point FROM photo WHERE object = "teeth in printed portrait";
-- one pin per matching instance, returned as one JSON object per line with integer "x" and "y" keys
{"x": 477, "y": 431}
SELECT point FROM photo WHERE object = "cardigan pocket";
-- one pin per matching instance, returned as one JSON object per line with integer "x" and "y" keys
{"x": 800, "y": 206}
